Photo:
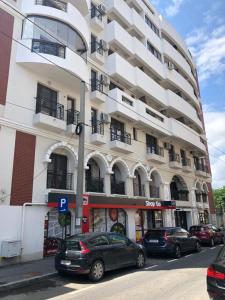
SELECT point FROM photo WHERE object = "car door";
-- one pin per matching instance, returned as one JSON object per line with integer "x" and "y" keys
{"x": 217, "y": 234}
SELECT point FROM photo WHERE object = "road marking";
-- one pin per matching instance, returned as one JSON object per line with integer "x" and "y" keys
{"x": 172, "y": 260}
{"x": 151, "y": 267}
{"x": 213, "y": 248}
{"x": 188, "y": 255}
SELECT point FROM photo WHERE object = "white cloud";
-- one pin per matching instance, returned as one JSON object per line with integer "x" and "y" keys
{"x": 173, "y": 8}
{"x": 215, "y": 130}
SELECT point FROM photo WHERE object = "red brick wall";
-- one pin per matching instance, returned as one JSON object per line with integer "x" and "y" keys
{"x": 23, "y": 168}
{"x": 6, "y": 26}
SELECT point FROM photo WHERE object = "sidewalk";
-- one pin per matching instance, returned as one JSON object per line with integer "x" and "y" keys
{"x": 21, "y": 274}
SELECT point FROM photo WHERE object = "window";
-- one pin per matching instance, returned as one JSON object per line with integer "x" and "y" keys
{"x": 151, "y": 113}
{"x": 135, "y": 134}
{"x": 151, "y": 25}
{"x": 95, "y": 12}
{"x": 98, "y": 241}
{"x": 127, "y": 101}
{"x": 118, "y": 239}
{"x": 58, "y": 4}
{"x": 151, "y": 143}
{"x": 93, "y": 43}
{"x": 46, "y": 101}
{"x": 55, "y": 34}
{"x": 154, "y": 51}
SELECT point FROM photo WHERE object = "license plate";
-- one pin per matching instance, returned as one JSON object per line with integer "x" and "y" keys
{"x": 153, "y": 241}
{"x": 65, "y": 262}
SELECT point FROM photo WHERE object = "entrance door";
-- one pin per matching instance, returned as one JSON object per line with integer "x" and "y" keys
{"x": 181, "y": 219}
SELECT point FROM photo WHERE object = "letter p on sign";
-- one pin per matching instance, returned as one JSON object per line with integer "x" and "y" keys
{"x": 63, "y": 205}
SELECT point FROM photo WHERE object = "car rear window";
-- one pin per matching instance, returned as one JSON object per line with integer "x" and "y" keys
{"x": 195, "y": 228}
{"x": 155, "y": 233}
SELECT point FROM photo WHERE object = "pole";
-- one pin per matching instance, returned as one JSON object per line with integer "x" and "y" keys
{"x": 80, "y": 169}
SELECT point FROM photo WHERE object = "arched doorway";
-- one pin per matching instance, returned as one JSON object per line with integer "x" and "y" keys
{"x": 117, "y": 180}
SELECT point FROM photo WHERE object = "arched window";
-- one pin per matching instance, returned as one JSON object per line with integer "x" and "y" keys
{"x": 117, "y": 184}
{"x": 50, "y": 36}
{"x": 178, "y": 189}
{"x": 94, "y": 180}
{"x": 139, "y": 188}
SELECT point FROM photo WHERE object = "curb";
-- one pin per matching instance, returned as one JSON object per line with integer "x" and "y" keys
{"x": 24, "y": 282}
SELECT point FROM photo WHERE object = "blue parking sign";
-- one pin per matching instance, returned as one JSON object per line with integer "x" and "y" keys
{"x": 62, "y": 205}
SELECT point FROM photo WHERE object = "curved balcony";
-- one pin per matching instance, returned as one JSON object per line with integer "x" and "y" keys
{"x": 70, "y": 16}
{"x": 181, "y": 106}
{"x": 175, "y": 56}
{"x": 57, "y": 67}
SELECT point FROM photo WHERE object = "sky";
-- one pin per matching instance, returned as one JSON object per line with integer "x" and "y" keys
{"x": 202, "y": 24}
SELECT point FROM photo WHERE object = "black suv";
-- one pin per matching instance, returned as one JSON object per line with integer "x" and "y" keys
{"x": 170, "y": 240}
{"x": 95, "y": 253}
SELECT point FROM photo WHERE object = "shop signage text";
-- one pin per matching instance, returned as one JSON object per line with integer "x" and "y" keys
{"x": 153, "y": 203}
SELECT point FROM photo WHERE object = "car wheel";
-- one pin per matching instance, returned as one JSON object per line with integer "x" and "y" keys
{"x": 97, "y": 271}
{"x": 197, "y": 247}
{"x": 212, "y": 242}
{"x": 177, "y": 252}
{"x": 140, "y": 260}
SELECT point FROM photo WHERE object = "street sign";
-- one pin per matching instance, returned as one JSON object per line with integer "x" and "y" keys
{"x": 63, "y": 205}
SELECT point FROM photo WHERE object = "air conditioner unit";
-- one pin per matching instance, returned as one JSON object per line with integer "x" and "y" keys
{"x": 167, "y": 146}
{"x": 170, "y": 65}
{"x": 103, "y": 45}
{"x": 104, "y": 79}
{"x": 104, "y": 118}
{"x": 102, "y": 9}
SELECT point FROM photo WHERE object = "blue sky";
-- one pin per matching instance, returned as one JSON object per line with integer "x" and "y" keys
{"x": 202, "y": 24}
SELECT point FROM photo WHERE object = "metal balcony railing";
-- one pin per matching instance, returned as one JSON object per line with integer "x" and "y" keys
{"x": 53, "y": 3}
{"x": 139, "y": 189}
{"x": 95, "y": 184}
{"x": 97, "y": 85}
{"x": 154, "y": 191}
{"x": 174, "y": 157}
{"x": 59, "y": 181}
{"x": 118, "y": 188}
{"x": 72, "y": 117}
{"x": 186, "y": 162}
{"x": 201, "y": 167}
{"x": 155, "y": 150}
{"x": 50, "y": 108}
{"x": 123, "y": 137}
{"x": 97, "y": 47}
{"x": 97, "y": 127}
{"x": 95, "y": 12}
{"x": 46, "y": 47}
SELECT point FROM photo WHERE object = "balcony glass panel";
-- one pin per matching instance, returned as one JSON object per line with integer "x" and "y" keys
{"x": 53, "y": 3}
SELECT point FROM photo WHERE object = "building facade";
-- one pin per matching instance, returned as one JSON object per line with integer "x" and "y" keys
{"x": 146, "y": 159}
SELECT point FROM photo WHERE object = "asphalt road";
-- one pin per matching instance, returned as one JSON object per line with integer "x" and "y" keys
{"x": 162, "y": 278}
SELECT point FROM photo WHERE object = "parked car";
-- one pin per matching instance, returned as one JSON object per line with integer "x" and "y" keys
{"x": 170, "y": 240}
{"x": 95, "y": 253}
{"x": 208, "y": 234}
{"x": 216, "y": 277}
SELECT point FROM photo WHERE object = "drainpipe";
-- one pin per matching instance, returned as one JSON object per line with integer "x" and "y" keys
{"x": 23, "y": 220}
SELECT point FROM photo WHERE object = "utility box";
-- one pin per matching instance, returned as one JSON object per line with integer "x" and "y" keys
{"x": 10, "y": 248}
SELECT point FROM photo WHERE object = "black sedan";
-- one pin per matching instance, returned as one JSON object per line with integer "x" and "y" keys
{"x": 95, "y": 253}
{"x": 170, "y": 240}
{"x": 216, "y": 277}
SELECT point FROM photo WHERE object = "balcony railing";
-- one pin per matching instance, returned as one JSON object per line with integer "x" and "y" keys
{"x": 95, "y": 12}
{"x": 97, "y": 85}
{"x": 98, "y": 127}
{"x": 72, "y": 117}
{"x": 46, "y": 47}
{"x": 139, "y": 189}
{"x": 154, "y": 191}
{"x": 118, "y": 188}
{"x": 59, "y": 181}
{"x": 53, "y": 3}
{"x": 49, "y": 108}
{"x": 123, "y": 137}
{"x": 95, "y": 184}
{"x": 155, "y": 150}
{"x": 201, "y": 167}
{"x": 97, "y": 47}
{"x": 186, "y": 162}
{"x": 174, "y": 157}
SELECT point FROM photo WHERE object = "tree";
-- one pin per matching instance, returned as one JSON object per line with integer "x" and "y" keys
{"x": 219, "y": 197}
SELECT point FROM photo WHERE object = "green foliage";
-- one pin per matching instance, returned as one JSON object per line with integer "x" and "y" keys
{"x": 219, "y": 197}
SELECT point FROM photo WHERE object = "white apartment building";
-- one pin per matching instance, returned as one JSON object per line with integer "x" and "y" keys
{"x": 146, "y": 160}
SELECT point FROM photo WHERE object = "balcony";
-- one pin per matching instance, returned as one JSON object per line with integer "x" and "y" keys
{"x": 97, "y": 91}
{"x": 98, "y": 53}
{"x": 98, "y": 137}
{"x": 119, "y": 11}
{"x": 139, "y": 189}
{"x": 118, "y": 188}
{"x": 59, "y": 181}
{"x": 72, "y": 120}
{"x": 156, "y": 154}
{"x": 120, "y": 103}
{"x": 186, "y": 165}
{"x": 120, "y": 141}
{"x": 95, "y": 184}
{"x": 96, "y": 19}
{"x": 181, "y": 106}
{"x": 41, "y": 46}
{"x": 201, "y": 170}
{"x": 154, "y": 191}
{"x": 53, "y": 3}
{"x": 174, "y": 161}
{"x": 49, "y": 115}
